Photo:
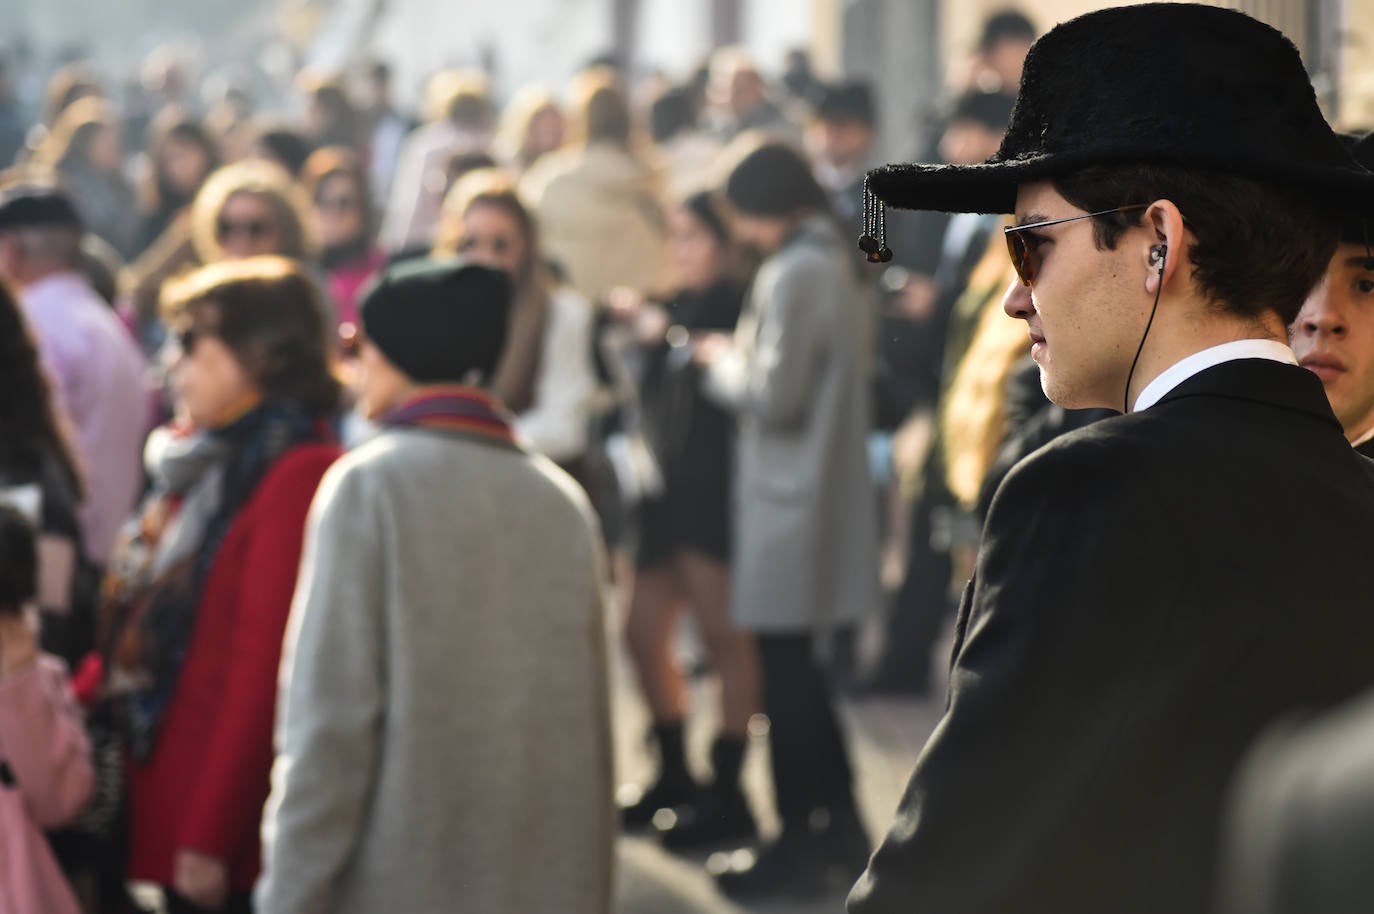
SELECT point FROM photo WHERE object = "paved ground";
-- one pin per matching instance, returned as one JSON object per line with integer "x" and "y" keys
{"x": 885, "y": 735}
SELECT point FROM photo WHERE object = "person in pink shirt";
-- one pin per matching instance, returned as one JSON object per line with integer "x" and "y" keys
{"x": 98, "y": 374}
{"x": 46, "y": 775}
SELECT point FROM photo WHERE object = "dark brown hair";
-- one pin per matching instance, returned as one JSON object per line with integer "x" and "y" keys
{"x": 1257, "y": 247}
{"x": 268, "y": 311}
{"x": 29, "y": 427}
{"x": 18, "y": 561}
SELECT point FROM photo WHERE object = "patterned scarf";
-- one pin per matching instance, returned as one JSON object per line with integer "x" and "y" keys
{"x": 455, "y": 408}
{"x": 231, "y": 462}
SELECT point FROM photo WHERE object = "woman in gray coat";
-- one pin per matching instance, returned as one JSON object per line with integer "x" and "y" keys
{"x": 806, "y": 528}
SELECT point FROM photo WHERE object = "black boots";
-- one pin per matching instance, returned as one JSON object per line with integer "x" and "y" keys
{"x": 721, "y": 814}
{"x": 674, "y": 786}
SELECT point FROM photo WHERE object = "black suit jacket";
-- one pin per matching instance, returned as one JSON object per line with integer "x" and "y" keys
{"x": 1152, "y": 590}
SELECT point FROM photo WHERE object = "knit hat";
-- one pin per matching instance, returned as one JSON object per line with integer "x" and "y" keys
{"x": 439, "y": 320}
{"x": 773, "y": 181}
{"x": 1161, "y": 84}
{"x": 32, "y": 204}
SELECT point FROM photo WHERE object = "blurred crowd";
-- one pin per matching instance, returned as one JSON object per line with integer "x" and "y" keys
{"x": 203, "y": 306}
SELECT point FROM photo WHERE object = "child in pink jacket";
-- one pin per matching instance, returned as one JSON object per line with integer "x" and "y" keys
{"x": 45, "y": 766}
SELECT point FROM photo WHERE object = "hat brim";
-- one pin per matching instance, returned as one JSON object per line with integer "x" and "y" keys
{"x": 991, "y": 187}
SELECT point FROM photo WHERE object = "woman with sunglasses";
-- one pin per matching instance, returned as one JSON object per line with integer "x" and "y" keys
{"x": 336, "y": 183}
{"x": 248, "y": 209}
{"x": 202, "y": 583}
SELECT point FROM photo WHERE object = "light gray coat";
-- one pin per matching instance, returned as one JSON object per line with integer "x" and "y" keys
{"x": 443, "y": 736}
{"x": 806, "y": 525}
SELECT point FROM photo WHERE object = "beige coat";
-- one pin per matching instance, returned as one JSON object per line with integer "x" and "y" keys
{"x": 806, "y": 525}
{"x": 602, "y": 219}
{"x": 444, "y": 725}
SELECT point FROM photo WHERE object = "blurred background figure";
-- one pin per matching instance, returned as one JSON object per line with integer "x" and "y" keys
{"x": 180, "y": 156}
{"x": 206, "y": 572}
{"x": 45, "y": 765}
{"x": 598, "y": 200}
{"x": 795, "y": 375}
{"x": 1001, "y": 55}
{"x": 250, "y": 209}
{"x": 462, "y": 118}
{"x": 41, "y": 473}
{"x": 545, "y": 373}
{"x": 840, "y": 139}
{"x": 531, "y": 127}
{"x": 739, "y": 101}
{"x": 279, "y": 142}
{"x": 97, "y": 373}
{"x": 684, "y": 552}
{"x": 330, "y": 118}
{"x": 342, "y": 220}
{"x": 386, "y": 130}
{"x": 85, "y": 150}
{"x": 687, "y": 153}
{"x": 14, "y": 120}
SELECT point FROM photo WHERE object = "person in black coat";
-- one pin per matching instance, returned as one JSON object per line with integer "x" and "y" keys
{"x": 1143, "y": 604}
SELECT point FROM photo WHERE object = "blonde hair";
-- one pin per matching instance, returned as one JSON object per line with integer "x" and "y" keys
{"x": 256, "y": 178}
{"x": 599, "y": 110}
{"x": 974, "y": 419}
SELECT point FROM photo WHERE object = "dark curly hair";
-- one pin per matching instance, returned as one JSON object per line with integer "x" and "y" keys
{"x": 269, "y": 313}
{"x": 29, "y": 426}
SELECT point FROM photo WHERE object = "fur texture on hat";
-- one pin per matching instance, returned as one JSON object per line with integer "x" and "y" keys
{"x": 1164, "y": 84}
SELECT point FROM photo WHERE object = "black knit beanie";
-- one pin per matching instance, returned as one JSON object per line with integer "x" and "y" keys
{"x": 439, "y": 320}
{"x": 773, "y": 180}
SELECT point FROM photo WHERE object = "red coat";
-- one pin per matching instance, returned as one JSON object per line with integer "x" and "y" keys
{"x": 206, "y": 782}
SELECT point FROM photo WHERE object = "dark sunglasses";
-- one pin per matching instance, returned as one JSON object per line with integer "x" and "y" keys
{"x": 254, "y": 229}
{"x": 1024, "y": 246}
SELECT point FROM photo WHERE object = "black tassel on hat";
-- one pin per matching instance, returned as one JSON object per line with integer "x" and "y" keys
{"x": 873, "y": 242}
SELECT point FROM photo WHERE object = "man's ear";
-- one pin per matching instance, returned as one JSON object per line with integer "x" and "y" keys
{"x": 1162, "y": 249}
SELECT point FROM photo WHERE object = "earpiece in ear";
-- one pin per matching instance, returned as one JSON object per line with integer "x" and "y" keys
{"x": 1158, "y": 253}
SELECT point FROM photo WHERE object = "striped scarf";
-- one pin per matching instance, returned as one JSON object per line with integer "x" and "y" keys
{"x": 455, "y": 408}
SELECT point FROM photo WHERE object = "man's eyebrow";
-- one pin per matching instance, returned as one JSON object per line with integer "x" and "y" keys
{"x": 1031, "y": 219}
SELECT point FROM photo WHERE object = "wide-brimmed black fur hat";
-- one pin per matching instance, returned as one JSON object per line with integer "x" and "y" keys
{"x": 1162, "y": 84}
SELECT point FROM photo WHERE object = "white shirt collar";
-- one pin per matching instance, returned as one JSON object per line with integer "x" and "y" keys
{"x": 1184, "y": 369}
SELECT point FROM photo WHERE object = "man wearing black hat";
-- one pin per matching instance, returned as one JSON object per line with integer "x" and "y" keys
{"x": 443, "y": 736}
{"x": 96, "y": 368}
{"x": 1142, "y": 605}
{"x": 1333, "y": 336}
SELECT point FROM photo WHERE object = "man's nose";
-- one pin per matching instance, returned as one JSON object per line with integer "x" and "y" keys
{"x": 1323, "y": 314}
{"x": 1017, "y": 301}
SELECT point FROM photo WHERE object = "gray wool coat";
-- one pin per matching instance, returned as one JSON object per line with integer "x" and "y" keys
{"x": 443, "y": 733}
{"x": 806, "y": 523}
